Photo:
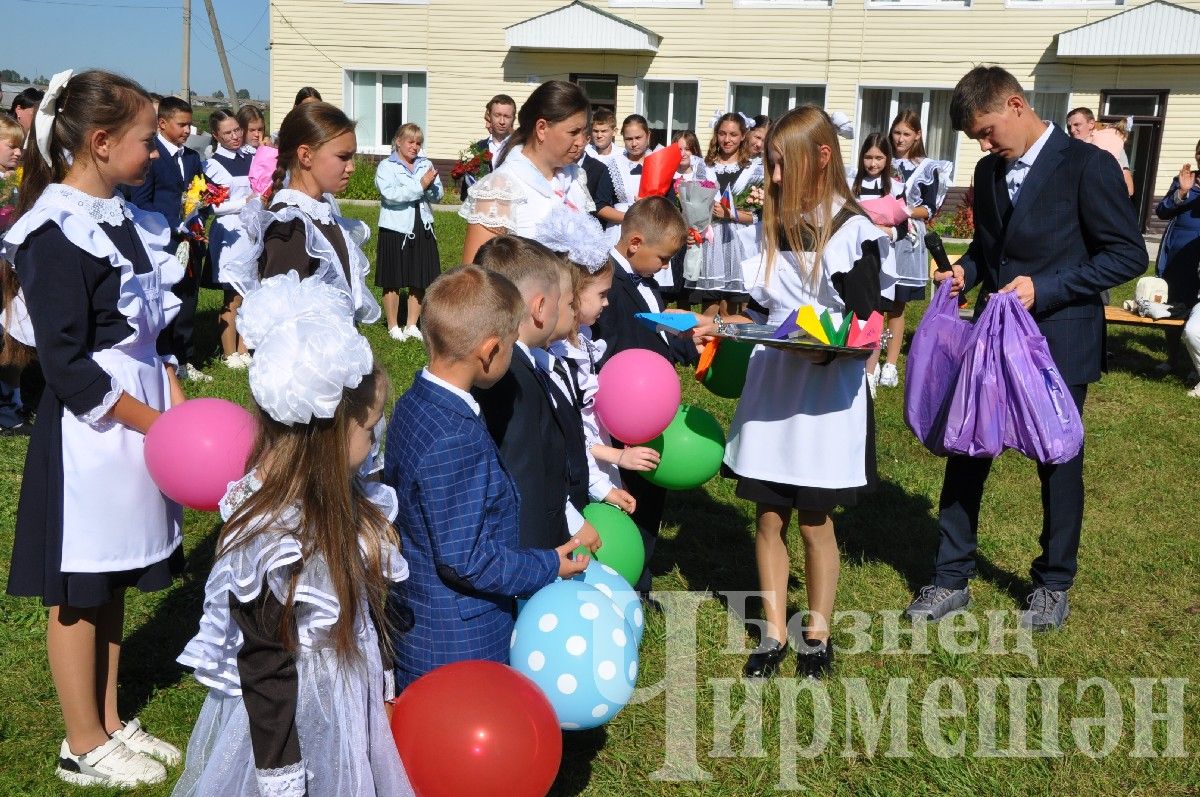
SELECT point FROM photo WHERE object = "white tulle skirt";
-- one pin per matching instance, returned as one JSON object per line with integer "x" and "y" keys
{"x": 345, "y": 741}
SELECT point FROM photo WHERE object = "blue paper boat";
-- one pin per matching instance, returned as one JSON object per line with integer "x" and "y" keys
{"x": 672, "y": 323}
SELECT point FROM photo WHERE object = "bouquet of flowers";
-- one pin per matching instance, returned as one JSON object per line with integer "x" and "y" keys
{"x": 750, "y": 199}
{"x": 201, "y": 194}
{"x": 473, "y": 163}
{"x": 8, "y": 198}
{"x": 696, "y": 199}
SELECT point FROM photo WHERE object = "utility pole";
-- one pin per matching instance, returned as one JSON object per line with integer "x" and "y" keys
{"x": 185, "y": 81}
{"x": 216, "y": 32}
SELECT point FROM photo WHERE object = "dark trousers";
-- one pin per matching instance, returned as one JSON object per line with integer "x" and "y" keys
{"x": 1062, "y": 518}
{"x": 188, "y": 291}
{"x": 651, "y": 500}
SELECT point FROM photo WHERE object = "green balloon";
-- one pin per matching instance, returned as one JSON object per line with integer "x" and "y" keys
{"x": 726, "y": 375}
{"x": 621, "y": 547}
{"x": 691, "y": 449}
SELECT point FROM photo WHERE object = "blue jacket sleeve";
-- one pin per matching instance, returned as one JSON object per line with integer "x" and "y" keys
{"x": 452, "y": 483}
{"x": 396, "y": 185}
{"x": 1170, "y": 207}
{"x": 1110, "y": 230}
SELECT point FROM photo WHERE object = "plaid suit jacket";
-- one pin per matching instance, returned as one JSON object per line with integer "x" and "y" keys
{"x": 458, "y": 527}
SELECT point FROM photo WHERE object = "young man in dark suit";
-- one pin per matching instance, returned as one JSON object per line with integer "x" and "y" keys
{"x": 519, "y": 411}
{"x": 1053, "y": 225}
{"x": 170, "y": 175}
{"x": 651, "y": 233}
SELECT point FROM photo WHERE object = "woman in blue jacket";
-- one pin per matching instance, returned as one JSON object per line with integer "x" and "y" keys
{"x": 1179, "y": 255}
{"x": 408, "y": 254}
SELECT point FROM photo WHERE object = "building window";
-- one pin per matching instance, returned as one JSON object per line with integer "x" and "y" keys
{"x": 753, "y": 99}
{"x": 382, "y": 101}
{"x": 931, "y": 4}
{"x": 1051, "y": 106}
{"x": 670, "y": 107}
{"x": 601, "y": 90}
{"x": 878, "y": 107}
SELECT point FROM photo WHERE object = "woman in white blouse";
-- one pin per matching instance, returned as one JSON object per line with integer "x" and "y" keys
{"x": 537, "y": 170}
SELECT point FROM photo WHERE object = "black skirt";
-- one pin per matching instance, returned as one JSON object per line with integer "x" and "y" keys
{"x": 404, "y": 262}
{"x": 910, "y": 293}
{"x": 811, "y": 499}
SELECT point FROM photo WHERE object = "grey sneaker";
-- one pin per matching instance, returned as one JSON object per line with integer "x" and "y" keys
{"x": 110, "y": 764}
{"x": 933, "y": 602}
{"x": 1047, "y": 611}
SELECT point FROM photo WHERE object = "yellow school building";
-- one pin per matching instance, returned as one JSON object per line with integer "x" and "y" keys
{"x": 436, "y": 62}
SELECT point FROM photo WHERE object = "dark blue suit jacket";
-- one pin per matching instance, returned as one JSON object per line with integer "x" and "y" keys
{"x": 458, "y": 527}
{"x": 1073, "y": 231}
{"x": 163, "y": 189}
{"x": 618, "y": 328}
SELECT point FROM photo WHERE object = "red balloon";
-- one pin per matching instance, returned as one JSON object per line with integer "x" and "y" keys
{"x": 477, "y": 728}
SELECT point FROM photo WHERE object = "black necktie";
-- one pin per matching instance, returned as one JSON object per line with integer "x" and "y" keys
{"x": 655, "y": 289}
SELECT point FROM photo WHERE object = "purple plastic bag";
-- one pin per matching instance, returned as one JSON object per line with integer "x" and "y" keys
{"x": 976, "y": 413}
{"x": 934, "y": 357}
{"x": 1043, "y": 422}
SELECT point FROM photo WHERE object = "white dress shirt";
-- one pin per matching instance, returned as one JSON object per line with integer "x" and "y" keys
{"x": 1018, "y": 170}
{"x": 173, "y": 150}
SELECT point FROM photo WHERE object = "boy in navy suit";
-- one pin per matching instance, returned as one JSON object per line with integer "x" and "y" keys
{"x": 519, "y": 410}
{"x": 458, "y": 506}
{"x": 652, "y": 232}
{"x": 162, "y": 191}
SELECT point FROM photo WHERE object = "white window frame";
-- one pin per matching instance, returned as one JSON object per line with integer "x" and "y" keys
{"x": 783, "y": 3}
{"x": 918, "y": 5}
{"x": 352, "y": 111}
{"x": 766, "y": 85}
{"x": 656, "y": 3}
{"x": 641, "y": 100}
{"x": 1060, "y": 4}
{"x": 893, "y": 108}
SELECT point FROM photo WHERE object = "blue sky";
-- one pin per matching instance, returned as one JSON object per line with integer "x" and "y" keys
{"x": 139, "y": 38}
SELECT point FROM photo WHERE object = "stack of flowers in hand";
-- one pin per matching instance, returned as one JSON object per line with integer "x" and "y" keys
{"x": 8, "y": 198}
{"x": 750, "y": 199}
{"x": 201, "y": 194}
{"x": 696, "y": 199}
{"x": 473, "y": 163}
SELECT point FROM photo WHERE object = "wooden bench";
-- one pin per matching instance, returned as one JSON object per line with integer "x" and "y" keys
{"x": 1117, "y": 315}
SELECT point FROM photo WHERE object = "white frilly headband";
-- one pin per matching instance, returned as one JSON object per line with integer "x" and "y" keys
{"x": 306, "y": 348}
{"x": 577, "y": 235}
{"x": 47, "y": 110}
{"x": 747, "y": 120}
{"x": 841, "y": 123}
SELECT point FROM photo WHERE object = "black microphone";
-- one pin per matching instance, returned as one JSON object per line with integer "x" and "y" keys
{"x": 933, "y": 243}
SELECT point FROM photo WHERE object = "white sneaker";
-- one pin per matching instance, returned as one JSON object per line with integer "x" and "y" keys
{"x": 235, "y": 362}
{"x": 192, "y": 373}
{"x": 135, "y": 737}
{"x": 397, "y": 334}
{"x": 110, "y": 764}
{"x": 873, "y": 381}
{"x": 412, "y": 332}
{"x": 888, "y": 377}
{"x": 1194, "y": 392}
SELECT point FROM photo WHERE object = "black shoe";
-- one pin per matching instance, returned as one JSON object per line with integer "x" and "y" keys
{"x": 764, "y": 662}
{"x": 22, "y": 429}
{"x": 814, "y": 661}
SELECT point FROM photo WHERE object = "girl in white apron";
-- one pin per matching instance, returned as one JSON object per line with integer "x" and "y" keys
{"x": 229, "y": 166}
{"x": 802, "y": 438}
{"x": 300, "y": 229}
{"x": 95, "y": 277}
{"x": 289, "y": 643}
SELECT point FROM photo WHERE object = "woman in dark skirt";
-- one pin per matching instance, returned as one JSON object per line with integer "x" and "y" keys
{"x": 407, "y": 256}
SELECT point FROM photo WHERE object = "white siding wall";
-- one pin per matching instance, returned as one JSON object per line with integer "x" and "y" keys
{"x": 850, "y": 44}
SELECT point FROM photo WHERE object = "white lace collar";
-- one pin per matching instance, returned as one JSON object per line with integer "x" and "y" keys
{"x": 315, "y": 209}
{"x": 727, "y": 168}
{"x": 111, "y": 211}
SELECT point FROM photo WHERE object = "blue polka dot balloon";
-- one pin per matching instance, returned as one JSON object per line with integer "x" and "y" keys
{"x": 573, "y": 643}
{"x": 617, "y": 589}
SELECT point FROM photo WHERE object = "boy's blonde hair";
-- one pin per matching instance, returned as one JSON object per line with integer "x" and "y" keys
{"x": 11, "y": 130}
{"x": 656, "y": 220}
{"x": 464, "y": 307}
{"x": 529, "y": 265}
{"x": 798, "y": 208}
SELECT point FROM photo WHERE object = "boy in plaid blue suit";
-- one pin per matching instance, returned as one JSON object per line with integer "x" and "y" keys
{"x": 459, "y": 509}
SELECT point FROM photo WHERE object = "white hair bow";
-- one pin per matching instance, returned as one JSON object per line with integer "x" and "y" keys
{"x": 716, "y": 117}
{"x": 841, "y": 123}
{"x": 577, "y": 235}
{"x": 47, "y": 110}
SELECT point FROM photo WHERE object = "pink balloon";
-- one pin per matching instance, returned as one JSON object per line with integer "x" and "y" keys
{"x": 638, "y": 395}
{"x": 194, "y": 450}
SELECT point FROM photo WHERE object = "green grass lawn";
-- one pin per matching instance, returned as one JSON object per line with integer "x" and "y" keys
{"x": 1135, "y": 613}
